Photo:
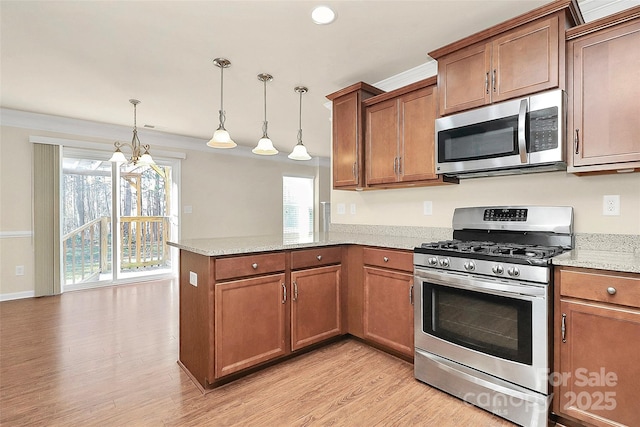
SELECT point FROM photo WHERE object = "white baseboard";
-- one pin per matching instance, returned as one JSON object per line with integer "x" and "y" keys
{"x": 17, "y": 295}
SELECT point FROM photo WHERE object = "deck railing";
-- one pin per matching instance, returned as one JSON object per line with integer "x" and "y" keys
{"x": 87, "y": 249}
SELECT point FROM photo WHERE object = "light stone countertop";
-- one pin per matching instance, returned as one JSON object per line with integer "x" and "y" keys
{"x": 601, "y": 260}
{"x": 245, "y": 245}
{"x": 599, "y": 251}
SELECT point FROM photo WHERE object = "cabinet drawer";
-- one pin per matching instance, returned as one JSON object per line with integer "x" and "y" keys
{"x": 315, "y": 257}
{"x": 389, "y": 258}
{"x": 604, "y": 287}
{"x": 249, "y": 265}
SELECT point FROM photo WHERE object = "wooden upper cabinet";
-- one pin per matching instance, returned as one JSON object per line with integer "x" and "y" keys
{"x": 348, "y": 134}
{"x": 399, "y": 141}
{"x": 516, "y": 58}
{"x": 604, "y": 78}
{"x": 518, "y": 63}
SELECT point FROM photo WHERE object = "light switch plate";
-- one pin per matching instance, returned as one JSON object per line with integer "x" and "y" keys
{"x": 341, "y": 209}
{"x": 193, "y": 278}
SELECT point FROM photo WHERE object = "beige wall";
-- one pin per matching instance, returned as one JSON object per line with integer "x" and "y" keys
{"x": 229, "y": 194}
{"x": 583, "y": 193}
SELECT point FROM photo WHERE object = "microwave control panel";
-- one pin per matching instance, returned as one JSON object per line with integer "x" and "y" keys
{"x": 543, "y": 129}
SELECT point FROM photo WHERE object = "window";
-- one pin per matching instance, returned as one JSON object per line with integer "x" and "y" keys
{"x": 297, "y": 205}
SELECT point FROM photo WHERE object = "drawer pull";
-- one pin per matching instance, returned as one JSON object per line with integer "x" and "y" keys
{"x": 564, "y": 327}
{"x": 611, "y": 290}
{"x": 319, "y": 257}
{"x": 284, "y": 293}
{"x": 254, "y": 265}
{"x": 385, "y": 259}
{"x": 295, "y": 291}
{"x": 411, "y": 295}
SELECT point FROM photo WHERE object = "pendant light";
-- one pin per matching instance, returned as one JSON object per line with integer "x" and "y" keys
{"x": 265, "y": 146}
{"x": 300, "y": 151}
{"x": 137, "y": 157}
{"x": 221, "y": 138}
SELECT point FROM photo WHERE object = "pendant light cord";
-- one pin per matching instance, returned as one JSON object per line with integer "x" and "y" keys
{"x": 300, "y": 121}
{"x": 222, "y": 115}
{"x": 264, "y": 125}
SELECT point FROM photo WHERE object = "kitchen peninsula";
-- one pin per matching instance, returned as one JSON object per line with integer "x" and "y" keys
{"x": 265, "y": 279}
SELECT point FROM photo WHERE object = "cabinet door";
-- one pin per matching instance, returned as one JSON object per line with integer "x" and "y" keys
{"x": 599, "y": 370}
{"x": 463, "y": 79}
{"x": 606, "y": 97}
{"x": 388, "y": 309}
{"x": 347, "y": 154}
{"x": 315, "y": 305}
{"x": 417, "y": 134}
{"x": 382, "y": 142}
{"x": 525, "y": 60}
{"x": 249, "y": 322}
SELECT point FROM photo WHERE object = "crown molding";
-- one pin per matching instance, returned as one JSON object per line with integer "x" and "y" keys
{"x": 412, "y": 75}
{"x": 110, "y": 132}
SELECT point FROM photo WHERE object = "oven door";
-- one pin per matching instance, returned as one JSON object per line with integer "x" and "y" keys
{"x": 495, "y": 326}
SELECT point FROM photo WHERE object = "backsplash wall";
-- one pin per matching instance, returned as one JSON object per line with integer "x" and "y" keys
{"x": 584, "y": 193}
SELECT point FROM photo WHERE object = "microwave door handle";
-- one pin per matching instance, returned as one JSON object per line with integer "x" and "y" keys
{"x": 522, "y": 137}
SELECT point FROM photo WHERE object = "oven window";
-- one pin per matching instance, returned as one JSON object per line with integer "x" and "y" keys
{"x": 495, "y": 325}
{"x": 496, "y": 138}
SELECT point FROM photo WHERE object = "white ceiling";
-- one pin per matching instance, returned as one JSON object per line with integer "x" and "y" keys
{"x": 86, "y": 59}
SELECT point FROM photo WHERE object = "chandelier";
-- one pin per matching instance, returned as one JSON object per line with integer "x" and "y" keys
{"x": 137, "y": 155}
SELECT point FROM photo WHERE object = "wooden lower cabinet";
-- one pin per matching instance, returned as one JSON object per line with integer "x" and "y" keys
{"x": 249, "y": 322}
{"x": 597, "y": 341}
{"x": 388, "y": 309}
{"x": 315, "y": 306}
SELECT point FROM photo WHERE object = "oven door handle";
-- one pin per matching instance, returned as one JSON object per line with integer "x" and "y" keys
{"x": 470, "y": 283}
{"x": 522, "y": 136}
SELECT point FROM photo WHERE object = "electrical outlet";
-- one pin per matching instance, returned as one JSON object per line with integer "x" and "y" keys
{"x": 611, "y": 205}
{"x": 352, "y": 208}
{"x": 341, "y": 209}
{"x": 428, "y": 207}
{"x": 193, "y": 278}
{"x": 19, "y": 270}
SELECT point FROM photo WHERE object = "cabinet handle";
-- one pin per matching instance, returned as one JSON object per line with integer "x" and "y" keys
{"x": 493, "y": 80}
{"x": 399, "y": 165}
{"x": 576, "y": 141}
{"x": 295, "y": 291}
{"x": 564, "y": 327}
{"x": 611, "y": 290}
{"x": 284, "y": 293}
{"x": 254, "y": 265}
{"x": 353, "y": 170}
{"x": 395, "y": 170}
{"x": 385, "y": 259}
{"x": 319, "y": 257}
{"x": 411, "y": 295}
{"x": 486, "y": 83}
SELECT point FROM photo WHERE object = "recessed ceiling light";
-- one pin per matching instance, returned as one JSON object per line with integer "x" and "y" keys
{"x": 322, "y": 15}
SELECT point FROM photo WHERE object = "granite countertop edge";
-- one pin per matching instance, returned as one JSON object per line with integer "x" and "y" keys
{"x": 623, "y": 261}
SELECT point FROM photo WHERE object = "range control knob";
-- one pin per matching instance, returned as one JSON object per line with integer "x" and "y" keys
{"x": 444, "y": 262}
{"x": 469, "y": 266}
{"x": 513, "y": 271}
{"x": 497, "y": 269}
{"x": 432, "y": 261}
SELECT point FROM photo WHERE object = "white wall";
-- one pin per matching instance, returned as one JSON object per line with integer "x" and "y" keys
{"x": 230, "y": 195}
{"x": 583, "y": 193}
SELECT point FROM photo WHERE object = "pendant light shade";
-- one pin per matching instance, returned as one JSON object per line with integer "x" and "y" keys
{"x": 137, "y": 156}
{"x": 300, "y": 151}
{"x": 265, "y": 146}
{"x": 221, "y": 138}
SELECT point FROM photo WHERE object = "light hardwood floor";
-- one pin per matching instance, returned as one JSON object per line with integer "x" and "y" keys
{"x": 107, "y": 357}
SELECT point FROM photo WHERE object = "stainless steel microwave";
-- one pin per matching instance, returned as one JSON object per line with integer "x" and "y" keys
{"x": 516, "y": 136}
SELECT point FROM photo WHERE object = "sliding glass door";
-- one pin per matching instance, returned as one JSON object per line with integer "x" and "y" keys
{"x": 116, "y": 220}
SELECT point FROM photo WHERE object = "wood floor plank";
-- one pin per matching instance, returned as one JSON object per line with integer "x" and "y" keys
{"x": 107, "y": 357}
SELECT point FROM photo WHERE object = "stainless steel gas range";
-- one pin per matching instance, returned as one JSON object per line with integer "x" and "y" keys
{"x": 483, "y": 308}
